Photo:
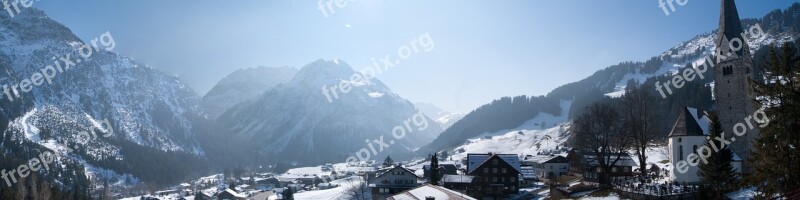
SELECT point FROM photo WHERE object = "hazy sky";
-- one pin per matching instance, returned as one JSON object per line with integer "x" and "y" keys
{"x": 483, "y": 49}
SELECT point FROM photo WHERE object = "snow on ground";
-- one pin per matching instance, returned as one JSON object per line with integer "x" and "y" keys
{"x": 658, "y": 155}
{"x": 743, "y": 194}
{"x": 612, "y": 196}
{"x": 527, "y": 139}
{"x": 333, "y": 193}
{"x": 529, "y": 142}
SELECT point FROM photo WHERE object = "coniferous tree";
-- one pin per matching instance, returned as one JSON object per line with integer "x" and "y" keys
{"x": 388, "y": 162}
{"x": 775, "y": 154}
{"x": 717, "y": 173}
{"x": 288, "y": 194}
{"x": 435, "y": 170}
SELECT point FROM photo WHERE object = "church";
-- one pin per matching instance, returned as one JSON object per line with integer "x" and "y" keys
{"x": 734, "y": 99}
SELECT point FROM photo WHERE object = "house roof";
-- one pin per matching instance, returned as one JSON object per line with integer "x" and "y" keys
{"x": 449, "y": 178}
{"x": 528, "y": 172}
{"x": 589, "y": 158}
{"x": 428, "y": 190}
{"x": 395, "y": 167}
{"x": 447, "y": 167}
{"x": 691, "y": 122}
{"x": 234, "y": 193}
{"x": 476, "y": 160}
{"x": 548, "y": 159}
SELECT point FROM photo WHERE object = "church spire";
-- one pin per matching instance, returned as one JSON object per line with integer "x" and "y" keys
{"x": 729, "y": 28}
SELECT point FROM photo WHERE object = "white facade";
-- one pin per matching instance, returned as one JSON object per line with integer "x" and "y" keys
{"x": 680, "y": 148}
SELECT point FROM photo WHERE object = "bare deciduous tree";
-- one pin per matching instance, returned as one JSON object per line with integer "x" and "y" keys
{"x": 357, "y": 189}
{"x": 639, "y": 121}
{"x": 598, "y": 132}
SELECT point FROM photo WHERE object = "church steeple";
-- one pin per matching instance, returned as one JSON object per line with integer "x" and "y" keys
{"x": 734, "y": 96}
{"x": 729, "y": 28}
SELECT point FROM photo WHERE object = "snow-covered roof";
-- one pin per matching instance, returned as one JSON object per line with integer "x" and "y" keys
{"x": 475, "y": 160}
{"x": 692, "y": 122}
{"x": 528, "y": 172}
{"x": 428, "y": 190}
{"x": 449, "y": 178}
{"x": 234, "y": 193}
{"x": 547, "y": 159}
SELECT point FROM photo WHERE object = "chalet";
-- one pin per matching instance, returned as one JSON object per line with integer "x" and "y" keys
{"x": 549, "y": 167}
{"x": 443, "y": 170}
{"x": 497, "y": 175}
{"x": 393, "y": 181}
{"x": 229, "y": 194}
{"x": 584, "y": 163}
{"x": 527, "y": 176}
{"x": 457, "y": 182}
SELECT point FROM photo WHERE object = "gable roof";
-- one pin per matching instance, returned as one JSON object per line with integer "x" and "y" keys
{"x": 449, "y": 178}
{"x": 476, "y": 160}
{"x": 428, "y": 190}
{"x": 395, "y": 167}
{"x": 692, "y": 122}
{"x": 591, "y": 160}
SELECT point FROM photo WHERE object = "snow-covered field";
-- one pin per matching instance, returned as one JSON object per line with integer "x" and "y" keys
{"x": 333, "y": 193}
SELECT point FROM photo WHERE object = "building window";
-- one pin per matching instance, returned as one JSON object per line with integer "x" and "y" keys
{"x": 494, "y": 170}
{"x": 513, "y": 188}
{"x": 494, "y": 162}
{"x": 680, "y": 149}
{"x": 613, "y": 169}
{"x": 679, "y": 140}
{"x": 485, "y": 170}
{"x": 494, "y": 179}
{"x": 503, "y": 170}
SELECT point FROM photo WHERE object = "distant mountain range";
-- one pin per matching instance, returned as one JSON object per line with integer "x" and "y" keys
{"x": 164, "y": 132}
{"x": 295, "y": 121}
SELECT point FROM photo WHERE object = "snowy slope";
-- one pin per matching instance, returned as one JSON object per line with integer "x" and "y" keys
{"x": 144, "y": 107}
{"x": 243, "y": 85}
{"x": 527, "y": 139}
{"x": 295, "y": 121}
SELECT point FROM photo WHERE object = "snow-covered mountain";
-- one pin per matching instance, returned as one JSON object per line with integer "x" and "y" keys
{"x": 243, "y": 85}
{"x": 145, "y": 108}
{"x": 778, "y": 27}
{"x": 299, "y": 121}
{"x": 444, "y": 118}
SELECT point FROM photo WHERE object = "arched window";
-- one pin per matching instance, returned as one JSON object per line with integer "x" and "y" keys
{"x": 680, "y": 149}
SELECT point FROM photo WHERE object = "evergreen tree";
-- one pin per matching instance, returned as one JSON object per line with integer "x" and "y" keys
{"x": 388, "y": 162}
{"x": 717, "y": 172}
{"x": 288, "y": 194}
{"x": 199, "y": 196}
{"x": 775, "y": 154}
{"x": 434, "y": 170}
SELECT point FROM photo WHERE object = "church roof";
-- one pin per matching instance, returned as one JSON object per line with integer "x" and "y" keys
{"x": 692, "y": 122}
{"x": 730, "y": 27}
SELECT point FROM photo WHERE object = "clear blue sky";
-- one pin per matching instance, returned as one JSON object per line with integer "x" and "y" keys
{"x": 484, "y": 49}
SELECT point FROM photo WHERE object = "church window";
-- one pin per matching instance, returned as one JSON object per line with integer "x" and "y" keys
{"x": 680, "y": 149}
